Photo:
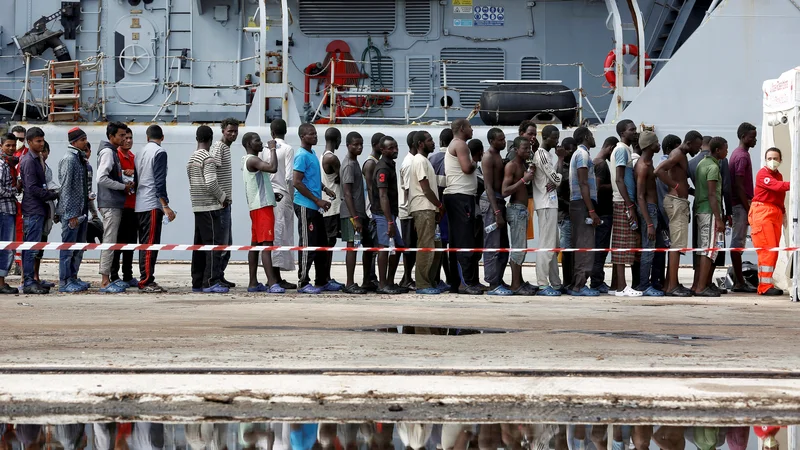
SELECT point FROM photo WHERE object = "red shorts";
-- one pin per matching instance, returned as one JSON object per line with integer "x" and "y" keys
{"x": 263, "y": 228}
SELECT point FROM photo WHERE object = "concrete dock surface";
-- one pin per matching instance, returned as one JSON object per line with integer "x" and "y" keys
{"x": 733, "y": 353}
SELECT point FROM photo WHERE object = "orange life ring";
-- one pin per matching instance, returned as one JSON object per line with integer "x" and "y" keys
{"x": 611, "y": 61}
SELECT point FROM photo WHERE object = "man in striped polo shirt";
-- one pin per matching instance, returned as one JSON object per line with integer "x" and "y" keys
{"x": 208, "y": 200}
{"x": 221, "y": 153}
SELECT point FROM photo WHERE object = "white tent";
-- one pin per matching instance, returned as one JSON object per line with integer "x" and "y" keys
{"x": 781, "y": 129}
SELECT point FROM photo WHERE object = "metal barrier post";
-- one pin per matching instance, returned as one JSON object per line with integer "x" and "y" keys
{"x": 25, "y": 89}
{"x": 580, "y": 94}
{"x": 446, "y": 104}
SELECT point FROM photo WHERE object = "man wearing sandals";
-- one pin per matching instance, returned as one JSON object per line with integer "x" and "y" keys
{"x": 261, "y": 201}
{"x": 514, "y": 185}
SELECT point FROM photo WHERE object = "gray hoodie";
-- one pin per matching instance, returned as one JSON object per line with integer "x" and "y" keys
{"x": 110, "y": 188}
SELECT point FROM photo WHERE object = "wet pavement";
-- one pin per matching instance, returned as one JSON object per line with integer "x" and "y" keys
{"x": 383, "y": 435}
{"x": 181, "y": 354}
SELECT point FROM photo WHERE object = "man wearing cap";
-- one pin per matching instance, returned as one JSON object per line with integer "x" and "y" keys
{"x": 647, "y": 200}
{"x": 111, "y": 194}
{"x": 73, "y": 207}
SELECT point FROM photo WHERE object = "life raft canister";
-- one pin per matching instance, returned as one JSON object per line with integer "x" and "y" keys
{"x": 611, "y": 61}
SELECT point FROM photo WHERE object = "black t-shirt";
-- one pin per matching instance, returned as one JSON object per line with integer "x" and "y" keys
{"x": 602, "y": 174}
{"x": 386, "y": 177}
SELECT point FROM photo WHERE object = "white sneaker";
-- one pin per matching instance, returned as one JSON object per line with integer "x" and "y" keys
{"x": 628, "y": 292}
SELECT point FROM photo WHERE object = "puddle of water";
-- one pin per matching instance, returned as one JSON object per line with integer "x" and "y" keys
{"x": 394, "y": 329}
{"x": 678, "y": 339}
{"x": 381, "y": 436}
{"x": 434, "y": 331}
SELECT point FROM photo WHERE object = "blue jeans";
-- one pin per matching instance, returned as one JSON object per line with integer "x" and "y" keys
{"x": 8, "y": 229}
{"x": 646, "y": 265}
{"x": 567, "y": 258}
{"x": 32, "y": 226}
{"x": 69, "y": 261}
{"x": 383, "y": 231}
{"x": 517, "y": 218}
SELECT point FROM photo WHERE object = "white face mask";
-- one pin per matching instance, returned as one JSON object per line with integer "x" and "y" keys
{"x": 773, "y": 164}
{"x": 20, "y": 144}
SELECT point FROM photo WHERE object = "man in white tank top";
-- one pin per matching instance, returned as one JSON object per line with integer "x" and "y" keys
{"x": 332, "y": 184}
{"x": 459, "y": 200}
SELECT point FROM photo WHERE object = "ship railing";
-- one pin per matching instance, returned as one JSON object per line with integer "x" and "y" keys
{"x": 581, "y": 93}
{"x": 345, "y": 90}
{"x": 334, "y": 90}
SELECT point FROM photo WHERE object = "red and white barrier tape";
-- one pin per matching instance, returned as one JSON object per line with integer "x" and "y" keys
{"x": 8, "y": 245}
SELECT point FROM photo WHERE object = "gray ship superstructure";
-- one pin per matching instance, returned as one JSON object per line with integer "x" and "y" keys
{"x": 371, "y": 65}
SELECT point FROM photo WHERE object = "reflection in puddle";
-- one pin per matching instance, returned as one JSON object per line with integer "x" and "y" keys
{"x": 435, "y": 331}
{"x": 386, "y": 436}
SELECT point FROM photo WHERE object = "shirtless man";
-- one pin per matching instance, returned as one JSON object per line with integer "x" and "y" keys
{"x": 368, "y": 170}
{"x": 647, "y": 199}
{"x": 493, "y": 207}
{"x": 514, "y": 181}
{"x": 674, "y": 172}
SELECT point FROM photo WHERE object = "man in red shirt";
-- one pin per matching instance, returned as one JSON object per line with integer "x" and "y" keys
{"x": 129, "y": 226}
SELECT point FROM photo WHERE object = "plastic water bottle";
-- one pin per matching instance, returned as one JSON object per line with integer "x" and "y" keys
{"x": 728, "y": 230}
{"x": 391, "y": 246}
{"x": 357, "y": 239}
{"x": 490, "y": 228}
{"x": 166, "y": 218}
{"x": 589, "y": 221}
{"x": 667, "y": 241}
{"x": 321, "y": 211}
{"x": 631, "y": 220}
{"x": 720, "y": 240}
{"x": 437, "y": 235}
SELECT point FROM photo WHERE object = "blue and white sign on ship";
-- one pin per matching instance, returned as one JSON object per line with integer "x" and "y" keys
{"x": 489, "y": 16}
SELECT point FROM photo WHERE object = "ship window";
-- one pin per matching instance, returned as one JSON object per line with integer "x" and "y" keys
{"x": 347, "y": 17}
{"x": 418, "y": 17}
{"x": 468, "y": 67}
{"x": 531, "y": 68}
{"x": 420, "y": 80}
{"x": 381, "y": 73}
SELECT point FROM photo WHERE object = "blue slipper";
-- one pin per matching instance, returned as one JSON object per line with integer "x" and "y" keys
{"x": 500, "y": 290}
{"x": 70, "y": 287}
{"x": 112, "y": 289}
{"x": 275, "y": 289}
{"x": 652, "y": 292}
{"x": 122, "y": 284}
{"x": 259, "y": 288}
{"x": 429, "y": 291}
{"x": 549, "y": 292}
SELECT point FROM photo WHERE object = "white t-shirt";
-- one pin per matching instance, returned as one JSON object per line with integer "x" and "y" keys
{"x": 405, "y": 182}
{"x": 620, "y": 157}
{"x": 281, "y": 180}
{"x": 545, "y": 180}
{"x": 421, "y": 169}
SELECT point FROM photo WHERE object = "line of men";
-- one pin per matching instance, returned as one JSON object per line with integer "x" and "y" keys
{"x": 455, "y": 197}
{"x": 620, "y": 198}
{"x": 131, "y": 198}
